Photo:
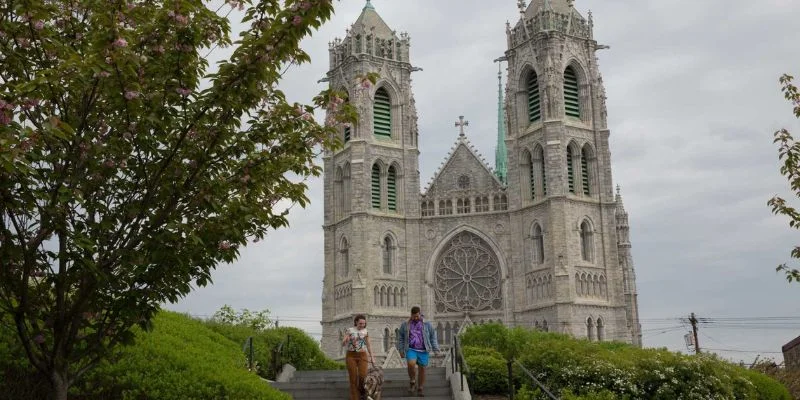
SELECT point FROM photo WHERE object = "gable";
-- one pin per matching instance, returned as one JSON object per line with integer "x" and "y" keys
{"x": 463, "y": 172}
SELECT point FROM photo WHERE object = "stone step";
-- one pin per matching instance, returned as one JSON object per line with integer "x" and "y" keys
{"x": 402, "y": 384}
{"x": 343, "y": 393}
{"x": 319, "y": 376}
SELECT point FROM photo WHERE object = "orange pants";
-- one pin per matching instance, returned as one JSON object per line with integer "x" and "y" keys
{"x": 357, "y": 370}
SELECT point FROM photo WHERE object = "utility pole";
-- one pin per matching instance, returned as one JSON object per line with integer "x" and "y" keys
{"x": 693, "y": 321}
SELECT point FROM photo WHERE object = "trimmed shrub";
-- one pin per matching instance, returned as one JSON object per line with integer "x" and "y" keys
{"x": 179, "y": 359}
{"x": 299, "y": 349}
{"x": 590, "y": 370}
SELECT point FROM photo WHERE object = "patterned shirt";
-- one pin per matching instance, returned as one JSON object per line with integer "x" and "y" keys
{"x": 415, "y": 333}
{"x": 356, "y": 339}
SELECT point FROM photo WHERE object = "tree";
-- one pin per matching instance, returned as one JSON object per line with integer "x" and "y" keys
{"x": 789, "y": 155}
{"x": 256, "y": 320}
{"x": 129, "y": 169}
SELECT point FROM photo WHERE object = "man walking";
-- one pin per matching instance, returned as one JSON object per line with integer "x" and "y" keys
{"x": 416, "y": 339}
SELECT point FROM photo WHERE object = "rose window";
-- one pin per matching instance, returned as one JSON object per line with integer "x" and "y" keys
{"x": 467, "y": 276}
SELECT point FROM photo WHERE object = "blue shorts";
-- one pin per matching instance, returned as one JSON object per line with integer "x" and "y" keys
{"x": 420, "y": 356}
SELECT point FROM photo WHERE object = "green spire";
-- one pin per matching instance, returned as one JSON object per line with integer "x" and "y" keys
{"x": 369, "y": 6}
{"x": 500, "y": 153}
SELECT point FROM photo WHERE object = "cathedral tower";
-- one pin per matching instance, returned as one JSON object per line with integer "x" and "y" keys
{"x": 559, "y": 174}
{"x": 371, "y": 183}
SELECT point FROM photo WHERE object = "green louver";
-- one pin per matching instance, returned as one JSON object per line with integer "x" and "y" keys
{"x": 382, "y": 114}
{"x": 533, "y": 178}
{"x": 572, "y": 105}
{"x": 585, "y": 174}
{"x": 570, "y": 171}
{"x": 534, "y": 102}
{"x": 346, "y": 134}
{"x": 391, "y": 183}
{"x": 376, "y": 186}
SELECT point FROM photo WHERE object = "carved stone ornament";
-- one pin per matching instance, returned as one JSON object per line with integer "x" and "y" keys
{"x": 467, "y": 276}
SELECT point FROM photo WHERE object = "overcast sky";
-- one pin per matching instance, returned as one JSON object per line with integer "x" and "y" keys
{"x": 693, "y": 100}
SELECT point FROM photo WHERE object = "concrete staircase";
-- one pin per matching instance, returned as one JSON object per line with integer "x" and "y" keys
{"x": 333, "y": 385}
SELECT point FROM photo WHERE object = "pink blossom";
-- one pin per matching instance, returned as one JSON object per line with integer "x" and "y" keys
{"x": 30, "y": 103}
{"x": 297, "y": 20}
{"x": 24, "y": 42}
{"x": 305, "y": 5}
{"x": 26, "y": 145}
{"x": 38, "y": 25}
{"x": 245, "y": 178}
{"x": 131, "y": 6}
{"x": 131, "y": 94}
{"x": 159, "y": 49}
{"x": 224, "y": 245}
{"x": 120, "y": 42}
{"x": 171, "y": 14}
{"x": 102, "y": 74}
{"x": 366, "y": 84}
{"x": 123, "y": 164}
{"x": 183, "y": 91}
{"x": 38, "y": 339}
{"x": 6, "y": 106}
{"x": 307, "y": 116}
{"x": 109, "y": 163}
{"x": 181, "y": 19}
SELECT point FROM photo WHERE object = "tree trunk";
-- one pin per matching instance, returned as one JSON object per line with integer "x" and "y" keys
{"x": 60, "y": 386}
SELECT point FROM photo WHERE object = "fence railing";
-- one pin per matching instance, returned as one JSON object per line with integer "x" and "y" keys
{"x": 277, "y": 353}
{"x": 530, "y": 375}
{"x": 459, "y": 364}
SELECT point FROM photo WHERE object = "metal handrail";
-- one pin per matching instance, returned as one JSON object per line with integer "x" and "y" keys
{"x": 536, "y": 381}
{"x": 460, "y": 363}
{"x": 277, "y": 352}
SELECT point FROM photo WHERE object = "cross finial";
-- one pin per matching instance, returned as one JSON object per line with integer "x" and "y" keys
{"x": 461, "y": 123}
{"x": 521, "y": 5}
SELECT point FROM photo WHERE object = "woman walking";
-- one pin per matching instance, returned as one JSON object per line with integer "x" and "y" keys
{"x": 358, "y": 349}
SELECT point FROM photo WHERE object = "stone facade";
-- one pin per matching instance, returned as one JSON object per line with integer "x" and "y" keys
{"x": 547, "y": 248}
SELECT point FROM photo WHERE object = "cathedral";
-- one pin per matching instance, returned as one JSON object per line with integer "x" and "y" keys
{"x": 540, "y": 240}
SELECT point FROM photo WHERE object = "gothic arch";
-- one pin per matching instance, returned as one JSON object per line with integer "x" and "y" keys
{"x": 573, "y": 167}
{"x": 586, "y": 236}
{"x": 395, "y": 104}
{"x": 528, "y": 175}
{"x": 576, "y": 96}
{"x": 588, "y": 170}
{"x": 347, "y": 188}
{"x": 338, "y": 193}
{"x": 537, "y": 243}
{"x": 489, "y": 245}
{"x": 344, "y": 257}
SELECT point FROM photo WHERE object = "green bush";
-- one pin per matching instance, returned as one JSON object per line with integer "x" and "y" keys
{"x": 299, "y": 349}
{"x": 599, "y": 371}
{"x": 179, "y": 359}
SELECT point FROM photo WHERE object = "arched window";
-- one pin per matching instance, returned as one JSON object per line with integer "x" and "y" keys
{"x": 347, "y": 129}
{"x": 603, "y": 287}
{"x": 585, "y": 180}
{"x": 344, "y": 250}
{"x": 383, "y": 296}
{"x": 539, "y": 170}
{"x": 447, "y": 333}
{"x": 538, "y": 244}
{"x": 377, "y": 296}
{"x": 589, "y": 329}
{"x": 386, "y": 340}
{"x": 382, "y": 114}
{"x": 388, "y": 255}
{"x": 500, "y": 203}
{"x": 346, "y": 185}
{"x": 455, "y": 331}
{"x": 572, "y": 103}
{"x": 463, "y": 206}
{"x": 446, "y": 207}
{"x": 403, "y": 297}
{"x": 338, "y": 193}
{"x": 544, "y": 326}
{"x": 439, "y": 333}
{"x": 570, "y": 170}
{"x": 601, "y": 334}
{"x": 391, "y": 186}
{"x": 534, "y": 103}
{"x": 375, "y": 185}
{"x": 536, "y": 325}
{"x": 394, "y": 298}
{"x": 529, "y": 175}
{"x": 587, "y": 242}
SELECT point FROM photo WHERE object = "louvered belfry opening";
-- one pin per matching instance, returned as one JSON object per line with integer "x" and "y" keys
{"x": 572, "y": 101}
{"x": 391, "y": 186}
{"x": 585, "y": 172}
{"x": 570, "y": 171}
{"x": 382, "y": 114}
{"x": 534, "y": 101}
{"x": 376, "y": 186}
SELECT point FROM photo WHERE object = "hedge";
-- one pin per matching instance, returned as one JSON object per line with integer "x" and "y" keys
{"x": 579, "y": 369}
